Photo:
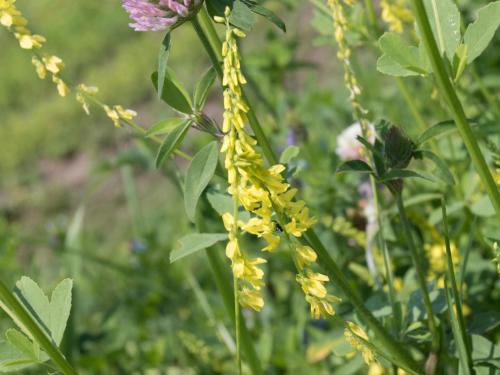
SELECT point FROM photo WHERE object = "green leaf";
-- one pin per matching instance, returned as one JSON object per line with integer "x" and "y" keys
{"x": 12, "y": 359}
{"x": 387, "y": 65}
{"x": 436, "y": 130}
{"x": 164, "y": 126}
{"x": 291, "y": 152}
{"x": 198, "y": 175}
{"x": 203, "y": 88}
{"x": 171, "y": 142}
{"x": 223, "y": 203}
{"x": 268, "y": 14}
{"x": 399, "y": 58}
{"x": 480, "y": 33}
{"x": 444, "y": 18}
{"x": 195, "y": 242}
{"x": 396, "y": 174}
{"x": 174, "y": 93}
{"x": 358, "y": 166}
{"x": 19, "y": 341}
{"x": 162, "y": 63}
{"x": 241, "y": 16}
{"x": 60, "y": 308}
{"x": 484, "y": 351}
{"x": 459, "y": 61}
{"x": 50, "y": 315}
{"x": 445, "y": 173}
{"x": 483, "y": 207}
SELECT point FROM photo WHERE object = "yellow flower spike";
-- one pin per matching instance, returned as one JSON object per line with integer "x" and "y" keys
{"x": 263, "y": 191}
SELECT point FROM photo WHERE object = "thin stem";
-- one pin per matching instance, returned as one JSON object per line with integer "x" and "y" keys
{"x": 222, "y": 281}
{"x": 397, "y": 352}
{"x": 372, "y": 16}
{"x": 224, "y": 286}
{"x": 453, "y": 281}
{"x": 396, "y": 311}
{"x": 447, "y": 90}
{"x": 19, "y": 314}
{"x": 420, "y": 272}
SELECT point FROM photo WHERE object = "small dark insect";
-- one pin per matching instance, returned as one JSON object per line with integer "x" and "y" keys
{"x": 277, "y": 227}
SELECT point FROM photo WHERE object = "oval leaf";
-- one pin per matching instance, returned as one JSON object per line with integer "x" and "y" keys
{"x": 479, "y": 33}
{"x": 444, "y": 18}
{"x": 198, "y": 175}
{"x": 358, "y": 166}
{"x": 174, "y": 93}
{"x": 195, "y": 242}
{"x": 445, "y": 173}
{"x": 172, "y": 140}
{"x": 164, "y": 126}
{"x": 203, "y": 88}
{"x": 396, "y": 174}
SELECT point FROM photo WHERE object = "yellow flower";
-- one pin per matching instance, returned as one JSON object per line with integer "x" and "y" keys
{"x": 251, "y": 298}
{"x": 53, "y": 64}
{"x": 62, "y": 88}
{"x": 41, "y": 71}
{"x": 118, "y": 113}
{"x": 357, "y": 338}
{"x": 305, "y": 256}
{"x": 312, "y": 283}
{"x": 376, "y": 369}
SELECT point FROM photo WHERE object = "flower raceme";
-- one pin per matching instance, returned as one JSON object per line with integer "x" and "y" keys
{"x": 157, "y": 15}
{"x": 12, "y": 19}
{"x": 263, "y": 192}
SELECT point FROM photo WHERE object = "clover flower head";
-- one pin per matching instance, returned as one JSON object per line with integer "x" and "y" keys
{"x": 157, "y": 15}
{"x": 348, "y": 147}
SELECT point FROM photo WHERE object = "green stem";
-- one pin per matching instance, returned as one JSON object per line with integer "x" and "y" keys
{"x": 447, "y": 90}
{"x": 456, "y": 295}
{"x": 372, "y": 16}
{"x": 399, "y": 354}
{"x": 420, "y": 272}
{"x": 223, "y": 284}
{"x": 19, "y": 314}
{"x": 394, "y": 349}
{"x": 396, "y": 310}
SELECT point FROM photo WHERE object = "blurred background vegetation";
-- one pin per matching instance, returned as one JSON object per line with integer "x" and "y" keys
{"x": 80, "y": 198}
